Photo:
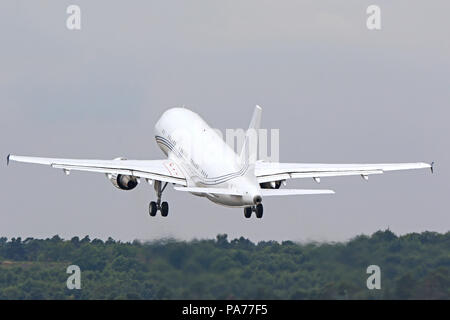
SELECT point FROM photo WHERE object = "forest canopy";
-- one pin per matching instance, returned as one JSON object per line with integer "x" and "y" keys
{"x": 413, "y": 266}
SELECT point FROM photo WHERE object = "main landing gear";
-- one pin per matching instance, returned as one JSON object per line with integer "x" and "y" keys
{"x": 155, "y": 206}
{"x": 258, "y": 209}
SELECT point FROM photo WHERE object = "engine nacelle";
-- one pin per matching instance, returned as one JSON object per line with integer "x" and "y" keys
{"x": 271, "y": 185}
{"x": 123, "y": 182}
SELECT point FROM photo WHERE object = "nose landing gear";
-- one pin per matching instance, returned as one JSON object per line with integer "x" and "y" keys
{"x": 155, "y": 206}
{"x": 258, "y": 209}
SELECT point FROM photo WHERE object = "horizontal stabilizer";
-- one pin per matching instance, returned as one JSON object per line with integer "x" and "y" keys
{"x": 210, "y": 190}
{"x": 291, "y": 192}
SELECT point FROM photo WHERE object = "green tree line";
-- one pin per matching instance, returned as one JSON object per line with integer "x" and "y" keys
{"x": 413, "y": 266}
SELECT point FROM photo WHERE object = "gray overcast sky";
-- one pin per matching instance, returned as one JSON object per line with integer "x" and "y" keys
{"x": 338, "y": 93}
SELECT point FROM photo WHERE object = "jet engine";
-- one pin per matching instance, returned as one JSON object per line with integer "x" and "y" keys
{"x": 271, "y": 185}
{"x": 123, "y": 182}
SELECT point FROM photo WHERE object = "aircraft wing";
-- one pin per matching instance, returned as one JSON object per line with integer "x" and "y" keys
{"x": 274, "y": 171}
{"x": 161, "y": 170}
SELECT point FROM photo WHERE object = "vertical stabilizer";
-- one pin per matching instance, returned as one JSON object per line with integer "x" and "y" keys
{"x": 249, "y": 152}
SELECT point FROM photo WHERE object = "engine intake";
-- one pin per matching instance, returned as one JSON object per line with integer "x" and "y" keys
{"x": 271, "y": 185}
{"x": 124, "y": 182}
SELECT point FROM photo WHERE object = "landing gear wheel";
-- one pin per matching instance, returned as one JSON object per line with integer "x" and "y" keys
{"x": 164, "y": 209}
{"x": 259, "y": 210}
{"x": 248, "y": 212}
{"x": 152, "y": 208}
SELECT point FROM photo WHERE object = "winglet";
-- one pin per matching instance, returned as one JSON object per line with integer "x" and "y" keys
{"x": 7, "y": 159}
{"x": 432, "y": 167}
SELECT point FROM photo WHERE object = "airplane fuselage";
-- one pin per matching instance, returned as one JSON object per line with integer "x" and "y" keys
{"x": 204, "y": 158}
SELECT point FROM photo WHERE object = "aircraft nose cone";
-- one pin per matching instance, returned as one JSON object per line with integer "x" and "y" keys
{"x": 257, "y": 199}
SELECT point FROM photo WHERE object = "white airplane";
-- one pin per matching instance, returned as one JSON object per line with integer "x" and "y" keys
{"x": 200, "y": 162}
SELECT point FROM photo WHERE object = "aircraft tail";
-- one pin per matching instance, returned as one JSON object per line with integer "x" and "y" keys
{"x": 249, "y": 152}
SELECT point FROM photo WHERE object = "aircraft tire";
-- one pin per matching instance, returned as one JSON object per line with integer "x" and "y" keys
{"x": 259, "y": 210}
{"x": 152, "y": 209}
{"x": 164, "y": 209}
{"x": 247, "y": 212}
